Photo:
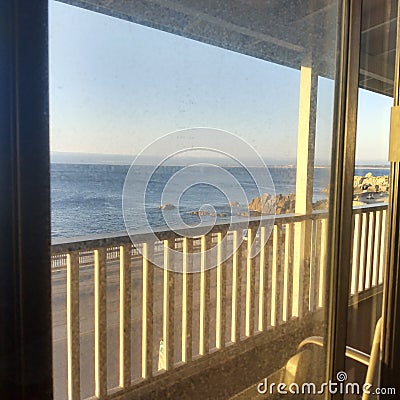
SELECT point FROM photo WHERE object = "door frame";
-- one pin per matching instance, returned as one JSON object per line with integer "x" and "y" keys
{"x": 341, "y": 187}
{"x": 390, "y": 354}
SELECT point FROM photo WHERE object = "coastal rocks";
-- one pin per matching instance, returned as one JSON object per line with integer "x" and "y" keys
{"x": 202, "y": 213}
{"x": 357, "y": 203}
{"x": 264, "y": 204}
{"x": 369, "y": 189}
{"x": 167, "y": 206}
{"x": 283, "y": 204}
{"x": 268, "y": 204}
{"x": 321, "y": 205}
{"x": 370, "y": 183}
{"x": 250, "y": 213}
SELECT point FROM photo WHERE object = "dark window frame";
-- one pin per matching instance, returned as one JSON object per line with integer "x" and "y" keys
{"x": 25, "y": 287}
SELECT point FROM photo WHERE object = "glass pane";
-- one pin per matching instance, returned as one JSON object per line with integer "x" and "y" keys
{"x": 371, "y": 191}
{"x": 191, "y": 158}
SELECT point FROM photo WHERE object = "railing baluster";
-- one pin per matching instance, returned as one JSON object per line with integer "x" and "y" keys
{"x": 322, "y": 263}
{"x": 250, "y": 283}
{"x": 377, "y": 252}
{"x": 313, "y": 266}
{"x": 286, "y": 305}
{"x": 382, "y": 239}
{"x": 125, "y": 316}
{"x": 319, "y": 267}
{"x": 221, "y": 292}
{"x": 301, "y": 272}
{"x": 356, "y": 252}
{"x": 168, "y": 303}
{"x": 236, "y": 286}
{"x": 204, "y": 339}
{"x": 147, "y": 310}
{"x": 290, "y": 275}
{"x": 364, "y": 250}
{"x": 73, "y": 338}
{"x": 187, "y": 300}
{"x": 275, "y": 286}
{"x": 307, "y": 288}
{"x": 371, "y": 248}
{"x": 263, "y": 309}
{"x": 100, "y": 316}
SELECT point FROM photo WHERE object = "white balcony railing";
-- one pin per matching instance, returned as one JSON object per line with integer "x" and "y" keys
{"x": 200, "y": 314}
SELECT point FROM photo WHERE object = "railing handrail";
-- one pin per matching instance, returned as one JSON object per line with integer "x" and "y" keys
{"x": 370, "y": 208}
{"x": 117, "y": 238}
{"x": 91, "y": 242}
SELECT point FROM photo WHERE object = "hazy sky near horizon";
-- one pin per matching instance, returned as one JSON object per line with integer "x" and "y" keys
{"x": 116, "y": 86}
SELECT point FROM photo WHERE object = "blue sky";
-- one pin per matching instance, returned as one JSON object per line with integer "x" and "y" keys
{"x": 116, "y": 86}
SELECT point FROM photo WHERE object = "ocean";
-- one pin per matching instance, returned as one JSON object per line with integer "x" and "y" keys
{"x": 86, "y": 199}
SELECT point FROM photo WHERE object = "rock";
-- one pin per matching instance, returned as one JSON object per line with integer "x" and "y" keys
{"x": 167, "y": 207}
{"x": 268, "y": 204}
{"x": 264, "y": 204}
{"x": 250, "y": 213}
{"x": 358, "y": 180}
{"x": 357, "y": 190}
{"x": 283, "y": 204}
{"x": 325, "y": 189}
{"x": 212, "y": 214}
{"x": 370, "y": 183}
{"x": 202, "y": 213}
{"x": 358, "y": 203}
{"x": 321, "y": 205}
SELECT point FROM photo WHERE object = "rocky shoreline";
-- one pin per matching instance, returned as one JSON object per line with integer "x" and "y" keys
{"x": 370, "y": 183}
{"x": 368, "y": 189}
{"x": 280, "y": 204}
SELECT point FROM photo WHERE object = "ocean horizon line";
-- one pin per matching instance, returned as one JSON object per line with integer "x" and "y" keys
{"x": 283, "y": 166}
{"x": 57, "y": 157}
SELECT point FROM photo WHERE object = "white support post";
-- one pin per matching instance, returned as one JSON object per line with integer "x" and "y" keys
{"x": 304, "y": 186}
